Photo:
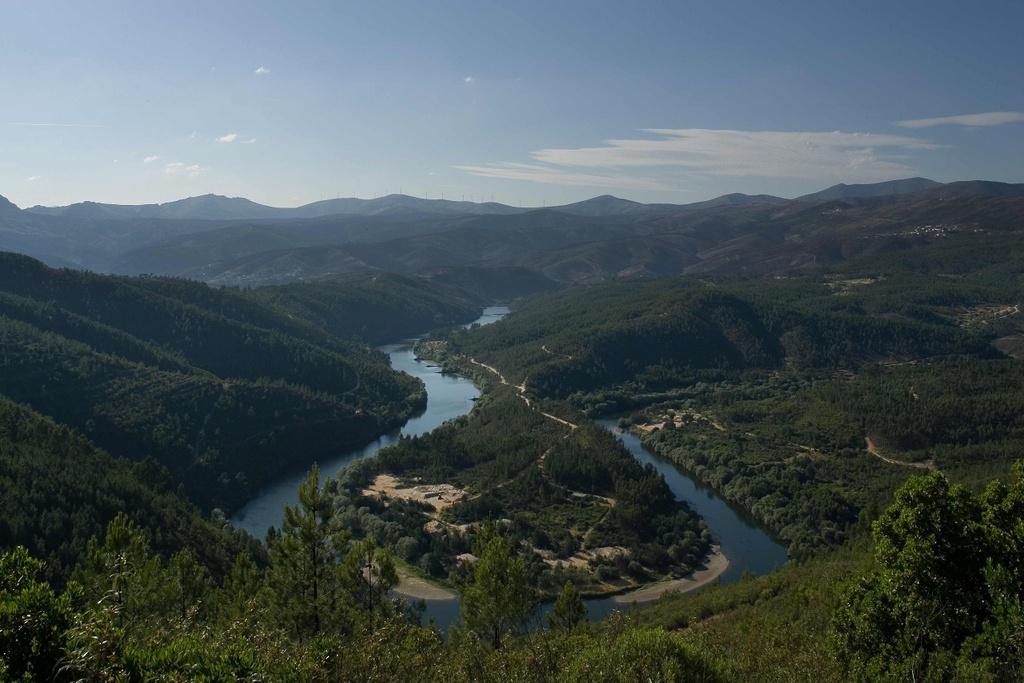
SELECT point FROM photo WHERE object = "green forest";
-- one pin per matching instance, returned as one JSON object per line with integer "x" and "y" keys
{"x": 561, "y": 495}
{"x": 868, "y": 414}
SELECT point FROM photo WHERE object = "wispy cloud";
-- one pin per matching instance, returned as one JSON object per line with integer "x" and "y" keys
{"x": 230, "y": 137}
{"x": 992, "y": 118}
{"x": 32, "y": 177}
{"x": 469, "y": 80}
{"x": 741, "y": 153}
{"x": 181, "y": 168}
{"x": 261, "y": 71}
{"x": 150, "y": 159}
{"x": 673, "y": 155}
{"x": 554, "y": 176}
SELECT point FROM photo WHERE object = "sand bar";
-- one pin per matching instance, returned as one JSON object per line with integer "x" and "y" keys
{"x": 415, "y": 587}
{"x": 715, "y": 564}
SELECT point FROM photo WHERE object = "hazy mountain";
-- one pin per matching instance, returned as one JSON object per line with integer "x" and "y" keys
{"x": 206, "y": 207}
{"x": 217, "y": 207}
{"x": 598, "y": 239}
{"x": 231, "y": 242}
{"x": 890, "y": 187}
{"x": 974, "y": 188}
{"x": 736, "y": 199}
{"x": 6, "y": 206}
{"x": 397, "y": 204}
{"x": 760, "y": 238}
{"x": 607, "y": 205}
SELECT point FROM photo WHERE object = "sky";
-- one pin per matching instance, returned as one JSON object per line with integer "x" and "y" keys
{"x": 525, "y": 103}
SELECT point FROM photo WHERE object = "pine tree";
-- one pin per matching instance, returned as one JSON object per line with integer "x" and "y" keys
{"x": 569, "y": 609}
{"x": 500, "y": 598}
{"x": 306, "y": 562}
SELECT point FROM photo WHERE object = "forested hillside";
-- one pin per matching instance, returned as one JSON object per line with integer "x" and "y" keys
{"x": 652, "y": 335}
{"x": 224, "y": 390}
{"x": 390, "y": 306}
{"x": 571, "y": 499}
{"x": 881, "y": 393}
{"x": 59, "y": 491}
{"x": 807, "y": 399}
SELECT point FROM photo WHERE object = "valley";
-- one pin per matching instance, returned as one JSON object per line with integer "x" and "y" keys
{"x": 775, "y": 397}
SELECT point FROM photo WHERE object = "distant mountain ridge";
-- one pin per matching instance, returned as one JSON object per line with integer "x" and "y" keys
{"x": 890, "y": 187}
{"x": 6, "y": 205}
{"x": 218, "y": 207}
{"x": 598, "y": 239}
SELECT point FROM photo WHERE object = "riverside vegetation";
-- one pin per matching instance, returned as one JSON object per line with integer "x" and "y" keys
{"x": 868, "y": 414}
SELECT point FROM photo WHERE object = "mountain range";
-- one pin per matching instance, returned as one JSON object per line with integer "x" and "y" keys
{"x": 232, "y": 241}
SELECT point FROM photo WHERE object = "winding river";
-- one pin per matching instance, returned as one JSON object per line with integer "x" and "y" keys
{"x": 747, "y": 545}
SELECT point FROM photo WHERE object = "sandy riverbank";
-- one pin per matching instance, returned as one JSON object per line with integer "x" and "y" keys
{"x": 415, "y": 587}
{"x": 712, "y": 569}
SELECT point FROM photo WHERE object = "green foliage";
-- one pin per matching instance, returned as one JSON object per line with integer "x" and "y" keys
{"x": 57, "y": 490}
{"x": 791, "y": 447}
{"x": 45, "y": 637}
{"x": 307, "y": 570}
{"x": 379, "y": 309}
{"x": 498, "y": 599}
{"x": 563, "y": 490}
{"x": 767, "y": 628}
{"x": 660, "y": 335}
{"x": 945, "y": 602}
{"x": 123, "y": 576}
{"x": 373, "y": 573}
{"x": 33, "y": 619}
{"x": 223, "y": 390}
{"x": 638, "y": 655}
{"x": 569, "y": 609}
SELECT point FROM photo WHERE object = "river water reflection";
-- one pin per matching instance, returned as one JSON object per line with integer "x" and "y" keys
{"x": 747, "y": 545}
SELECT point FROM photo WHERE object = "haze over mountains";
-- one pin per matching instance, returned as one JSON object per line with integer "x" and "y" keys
{"x": 231, "y": 241}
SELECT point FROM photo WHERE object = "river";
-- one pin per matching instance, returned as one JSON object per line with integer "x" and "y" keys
{"x": 448, "y": 396}
{"x": 747, "y": 545}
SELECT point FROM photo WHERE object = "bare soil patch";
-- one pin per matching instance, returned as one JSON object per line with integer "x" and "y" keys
{"x": 438, "y": 496}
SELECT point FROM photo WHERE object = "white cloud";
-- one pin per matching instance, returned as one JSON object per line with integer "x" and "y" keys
{"x": 33, "y": 177}
{"x": 743, "y": 153}
{"x": 555, "y": 176}
{"x": 469, "y": 80}
{"x": 150, "y": 159}
{"x": 230, "y": 137}
{"x": 992, "y": 118}
{"x": 181, "y": 168}
{"x": 675, "y": 156}
{"x": 262, "y": 70}
{"x": 249, "y": 141}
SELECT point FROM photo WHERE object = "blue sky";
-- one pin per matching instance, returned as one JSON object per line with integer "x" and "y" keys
{"x": 527, "y": 102}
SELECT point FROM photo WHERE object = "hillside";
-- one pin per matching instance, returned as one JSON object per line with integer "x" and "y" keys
{"x": 813, "y": 362}
{"x": 57, "y": 490}
{"x": 805, "y": 399}
{"x": 152, "y": 368}
{"x": 886, "y": 189}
